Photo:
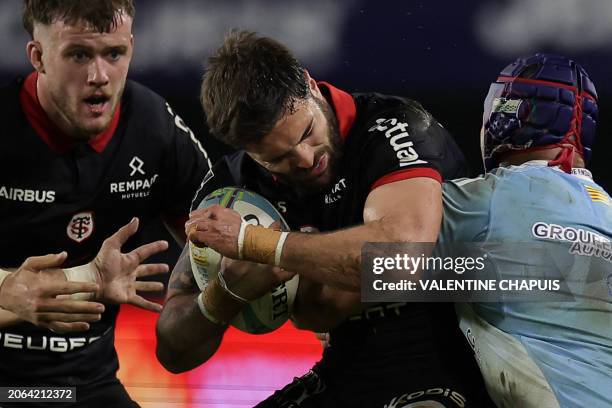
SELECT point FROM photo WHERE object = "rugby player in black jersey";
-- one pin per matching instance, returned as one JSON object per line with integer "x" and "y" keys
{"x": 83, "y": 153}
{"x": 356, "y": 168}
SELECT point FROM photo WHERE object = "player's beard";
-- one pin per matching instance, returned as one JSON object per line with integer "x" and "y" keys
{"x": 334, "y": 149}
{"x": 334, "y": 153}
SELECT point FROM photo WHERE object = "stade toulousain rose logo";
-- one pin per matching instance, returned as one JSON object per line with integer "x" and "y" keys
{"x": 81, "y": 226}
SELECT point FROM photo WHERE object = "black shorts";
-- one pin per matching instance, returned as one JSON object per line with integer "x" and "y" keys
{"x": 392, "y": 358}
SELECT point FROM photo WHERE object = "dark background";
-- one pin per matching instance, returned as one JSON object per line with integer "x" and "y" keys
{"x": 441, "y": 53}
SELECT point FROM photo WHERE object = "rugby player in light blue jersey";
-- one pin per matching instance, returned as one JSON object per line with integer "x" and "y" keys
{"x": 538, "y": 128}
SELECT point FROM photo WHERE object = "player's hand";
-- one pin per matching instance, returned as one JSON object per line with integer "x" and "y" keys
{"x": 31, "y": 291}
{"x": 215, "y": 227}
{"x": 118, "y": 272}
{"x": 252, "y": 280}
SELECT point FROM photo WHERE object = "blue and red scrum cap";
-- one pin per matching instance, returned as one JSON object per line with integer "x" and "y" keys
{"x": 540, "y": 102}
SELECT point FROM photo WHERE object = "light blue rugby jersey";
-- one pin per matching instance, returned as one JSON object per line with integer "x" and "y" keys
{"x": 571, "y": 342}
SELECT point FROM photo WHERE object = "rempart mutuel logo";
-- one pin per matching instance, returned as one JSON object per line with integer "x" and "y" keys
{"x": 135, "y": 187}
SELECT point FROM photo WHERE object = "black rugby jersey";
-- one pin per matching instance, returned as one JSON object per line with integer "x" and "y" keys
{"x": 385, "y": 139}
{"x": 56, "y": 197}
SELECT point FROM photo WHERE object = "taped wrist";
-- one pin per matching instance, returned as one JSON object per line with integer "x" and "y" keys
{"x": 217, "y": 305}
{"x": 261, "y": 245}
{"x": 205, "y": 312}
{"x": 82, "y": 273}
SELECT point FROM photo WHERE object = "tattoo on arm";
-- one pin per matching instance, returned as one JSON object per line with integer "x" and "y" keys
{"x": 182, "y": 279}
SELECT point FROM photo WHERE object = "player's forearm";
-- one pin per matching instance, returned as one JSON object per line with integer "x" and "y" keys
{"x": 185, "y": 338}
{"x": 7, "y": 318}
{"x": 335, "y": 258}
{"x": 81, "y": 273}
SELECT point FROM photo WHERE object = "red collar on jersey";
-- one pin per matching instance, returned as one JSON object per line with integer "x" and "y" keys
{"x": 343, "y": 105}
{"x": 47, "y": 130}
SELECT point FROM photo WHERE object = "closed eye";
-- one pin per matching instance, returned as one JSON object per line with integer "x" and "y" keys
{"x": 307, "y": 133}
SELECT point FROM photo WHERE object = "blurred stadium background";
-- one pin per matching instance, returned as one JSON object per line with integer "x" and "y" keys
{"x": 441, "y": 53}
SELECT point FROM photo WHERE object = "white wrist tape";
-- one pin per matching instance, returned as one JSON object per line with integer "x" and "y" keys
{"x": 82, "y": 273}
{"x": 279, "y": 248}
{"x": 243, "y": 226}
{"x": 204, "y": 311}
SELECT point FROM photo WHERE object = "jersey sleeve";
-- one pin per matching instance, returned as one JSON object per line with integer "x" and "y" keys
{"x": 402, "y": 143}
{"x": 467, "y": 206}
{"x": 188, "y": 163}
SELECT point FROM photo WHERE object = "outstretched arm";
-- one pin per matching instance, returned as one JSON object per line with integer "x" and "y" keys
{"x": 37, "y": 293}
{"x": 118, "y": 272}
{"x": 69, "y": 299}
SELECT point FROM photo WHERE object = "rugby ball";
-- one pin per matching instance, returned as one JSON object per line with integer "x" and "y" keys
{"x": 270, "y": 311}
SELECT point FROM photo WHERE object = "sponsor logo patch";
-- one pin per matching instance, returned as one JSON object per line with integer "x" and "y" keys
{"x": 336, "y": 192}
{"x": 397, "y": 135}
{"x": 54, "y": 344}
{"x": 27, "y": 196}
{"x": 136, "y": 166}
{"x": 81, "y": 226}
{"x": 601, "y": 250}
{"x": 503, "y": 105}
{"x": 422, "y": 398}
{"x": 135, "y": 187}
{"x": 556, "y": 232}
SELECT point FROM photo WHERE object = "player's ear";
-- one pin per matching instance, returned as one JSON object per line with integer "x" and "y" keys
{"x": 34, "y": 50}
{"x": 312, "y": 84}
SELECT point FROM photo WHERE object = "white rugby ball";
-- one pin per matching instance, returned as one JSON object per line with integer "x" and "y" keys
{"x": 270, "y": 311}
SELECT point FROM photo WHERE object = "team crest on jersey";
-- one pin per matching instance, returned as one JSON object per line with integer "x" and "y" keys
{"x": 81, "y": 226}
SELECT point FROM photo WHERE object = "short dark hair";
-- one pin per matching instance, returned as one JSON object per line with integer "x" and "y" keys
{"x": 102, "y": 15}
{"x": 250, "y": 83}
